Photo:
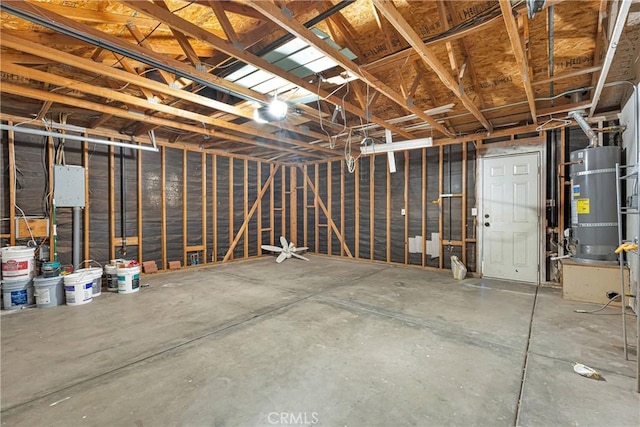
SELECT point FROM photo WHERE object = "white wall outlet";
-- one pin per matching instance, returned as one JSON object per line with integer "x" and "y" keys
{"x": 474, "y": 211}
{"x": 402, "y": 212}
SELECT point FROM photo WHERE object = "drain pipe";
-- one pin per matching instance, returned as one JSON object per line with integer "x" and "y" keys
{"x": 621, "y": 21}
{"x": 577, "y": 116}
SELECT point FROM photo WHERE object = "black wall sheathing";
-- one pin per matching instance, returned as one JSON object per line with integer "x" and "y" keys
{"x": 448, "y": 252}
{"x": 350, "y": 210}
{"x": 433, "y": 209}
{"x": 311, "y": 211}
{"x": 300, "y": 202}
{"x": 471, "y": 203}
{"x": 336, "y": 204}
{"x": 238, "y": 206}
{"x": 252, "y": 191}
{"x": 323, "y": 228}
{"x": 414, "y": 204}
{"x": 222, "y": 193}
{"x": 4, "y": 187}
{"x": 397, "y": 241}
{"x": 266, "y": 207}
{"x": 364, "y": 182}
{"x": 278, "y": 207}
{"x": 452, "y": 184}
{"x": 173, "y": 196}
{"x": 380, "y": 208}
{"x": 99, "y": 203}
{"x": 131, "y": 195}
{"x": 151, "y": 207}
{"x": 194, "y": 206}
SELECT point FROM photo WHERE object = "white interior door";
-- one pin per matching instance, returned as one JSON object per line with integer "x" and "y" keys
{"x": 510, "y": 217}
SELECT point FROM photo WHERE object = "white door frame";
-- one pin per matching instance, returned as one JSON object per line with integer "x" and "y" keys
{"x": 537, "y": 147}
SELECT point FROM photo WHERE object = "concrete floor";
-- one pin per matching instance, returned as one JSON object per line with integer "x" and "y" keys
{"x": 327, "y": 342}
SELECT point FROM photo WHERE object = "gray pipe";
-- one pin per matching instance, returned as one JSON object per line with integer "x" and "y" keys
{"x": 577, "y": 116}
{"x": 76, "y": 236}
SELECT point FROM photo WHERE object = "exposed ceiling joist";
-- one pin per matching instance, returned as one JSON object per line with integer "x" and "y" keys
{"x": 429, "y": 58}
{"x": 219, "y": 11}
{"x": 193, "y": 30}
{"x": 518, "y": 52}
{"x": 294, "y": 27}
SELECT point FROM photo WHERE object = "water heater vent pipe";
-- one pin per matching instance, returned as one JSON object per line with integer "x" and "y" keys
{"x": 577, "y": 116}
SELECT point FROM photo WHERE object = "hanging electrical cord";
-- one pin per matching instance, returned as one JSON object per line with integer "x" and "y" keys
{"x": 331, "y": 143}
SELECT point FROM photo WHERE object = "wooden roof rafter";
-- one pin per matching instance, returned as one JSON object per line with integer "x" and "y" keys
{"x": 248, "y": 58}
{"x": 223, "y": 19}
{"x": 268, "y": 9}
{"x": 519, "y": 53}
{"x": 429, "y": 58}
{"x": 141, "y": 103}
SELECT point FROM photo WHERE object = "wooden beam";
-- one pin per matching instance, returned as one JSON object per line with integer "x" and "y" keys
{"x": 328, "y": 181}
{"x": 388, "y": 214}
{"x": 245, "y": 201}
{"x": 224, "y": 46}
{"x": 182, "y": 40}
{"x": 330, "y": 221}
{"x": 293, "y": 203}
{"x": 214, "y": 207}
{"x": 567, "y": 75}
{"x": 429, "y": 58}
{"x": 240, "y": 232}
{"x": 163, "y": 206}
{"x": 229, "y": 254}
{"x": 203, "y": 212}
{"x": 305, "y": 208}
{"x": 294, "y": 27}
{"x": 142, "y": 41}
{"x": 218, "y": 10}
{"x": 44, "y": 110}
{"x": 144, "y": 84}
{"x": 518, "y": 52}
{"x": 185, "y": 222}
{"x": 444, "y": 19}
{"x": 142, "y": 103}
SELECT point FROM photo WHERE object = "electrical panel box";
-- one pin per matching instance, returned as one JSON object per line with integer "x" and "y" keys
{"x": 68, "y": 186}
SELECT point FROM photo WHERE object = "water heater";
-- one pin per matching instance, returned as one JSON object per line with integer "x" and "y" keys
{"x": 594, "y": 213}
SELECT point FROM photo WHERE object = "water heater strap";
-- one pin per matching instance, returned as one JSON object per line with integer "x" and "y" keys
{"x": 595, "y": 171}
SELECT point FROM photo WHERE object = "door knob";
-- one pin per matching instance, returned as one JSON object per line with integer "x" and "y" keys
{"x": 486, "y": 224}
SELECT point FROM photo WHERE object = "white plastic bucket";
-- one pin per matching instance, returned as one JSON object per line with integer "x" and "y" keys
{"x": 111, "y": 274}
{"x": 17, "y": 292}
{"x": 457, "y": 268}
{"x": 78, "y": 288}
{"x": 128, "y": 279}
{"x": 18, "y": 261}
{"x": 96, "y": 275}
{"x": 49, "y": 291}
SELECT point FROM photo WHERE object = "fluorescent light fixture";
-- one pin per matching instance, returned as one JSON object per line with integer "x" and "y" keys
{"x": 411, "y": 144}
{"x": 32, "y": 131}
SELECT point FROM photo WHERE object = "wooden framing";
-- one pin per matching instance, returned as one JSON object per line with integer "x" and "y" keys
{"x": 519, "y": 53}
{"x": 440, "y": 204}
{"x": 401, "y": 25}
{"x": 12, "y": 183}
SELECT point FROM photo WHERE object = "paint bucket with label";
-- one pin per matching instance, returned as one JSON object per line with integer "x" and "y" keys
{"x": 49, "y": 291}
{"x": 50, "y": 269}
{"x": 111, "y": 274}
{"x": 128, "y": 279}
{"x": 17, "y": 292}
{"x": 78, "y": 288}
{"x": 96, "y": 276}
{"x": 17, "y": 261}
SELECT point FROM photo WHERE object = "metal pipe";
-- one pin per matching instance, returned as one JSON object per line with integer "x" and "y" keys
{"x": 32, "y": 131}
{"x": 611, "y": 51}
{"x": 577, "y": 116}
{"x": 76, "y": 236}
{"x": 621, "y": 261}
